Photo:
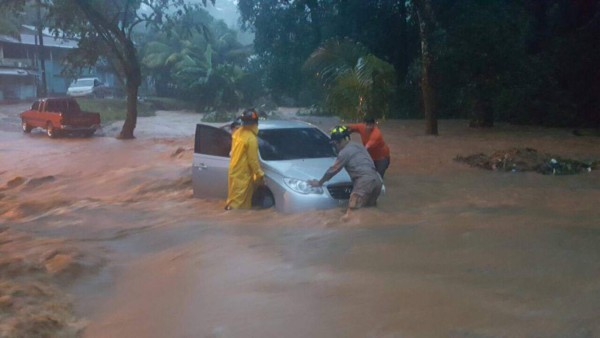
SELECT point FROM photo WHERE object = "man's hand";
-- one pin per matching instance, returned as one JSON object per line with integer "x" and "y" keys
{"x": 314, "y": 183}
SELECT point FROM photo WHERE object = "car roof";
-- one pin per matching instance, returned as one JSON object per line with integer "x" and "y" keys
{"x": 57, "y": 98}
{"x": 273, "y": 124}
{"x": 283, "y": 124}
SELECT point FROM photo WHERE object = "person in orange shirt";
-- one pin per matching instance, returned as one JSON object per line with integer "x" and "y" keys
{"x": 373, "y": 141}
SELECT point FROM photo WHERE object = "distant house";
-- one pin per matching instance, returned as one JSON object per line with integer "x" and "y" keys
{"x": 20, "y": 67}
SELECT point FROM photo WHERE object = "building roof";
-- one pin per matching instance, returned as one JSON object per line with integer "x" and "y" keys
{"x": 16, "y": 72}
{"x": 28, "y": 37}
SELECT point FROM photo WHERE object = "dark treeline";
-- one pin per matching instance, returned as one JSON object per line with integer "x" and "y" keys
{"x": 518, "y": 61}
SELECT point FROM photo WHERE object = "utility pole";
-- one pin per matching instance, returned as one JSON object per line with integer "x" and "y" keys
{"x": 43, "y": 90}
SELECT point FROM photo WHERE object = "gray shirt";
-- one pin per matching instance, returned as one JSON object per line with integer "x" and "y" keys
{"x": 357, "y": 161}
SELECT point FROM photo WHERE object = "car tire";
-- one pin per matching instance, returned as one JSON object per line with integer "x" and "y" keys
{"x": 268, "y": 200}
{"x": 51, "y": 131}
{"x": 26, "y": 128}
{"x": 263, "y": 198}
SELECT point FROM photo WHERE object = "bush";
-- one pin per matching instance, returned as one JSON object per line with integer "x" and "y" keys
{"x": 217, "y": 116}
{"x": 113, "y": 109}
{"x": 313, "y": 110}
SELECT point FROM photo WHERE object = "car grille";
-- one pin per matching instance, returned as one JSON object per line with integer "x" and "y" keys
{"x": 340, "y": 191}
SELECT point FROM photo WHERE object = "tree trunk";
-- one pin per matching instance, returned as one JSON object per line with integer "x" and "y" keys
{"x": 133, "y": 76}
{"x": 425, "y": 16}
{"x": 483, "y": 114}
{"x": 131, "y": 119}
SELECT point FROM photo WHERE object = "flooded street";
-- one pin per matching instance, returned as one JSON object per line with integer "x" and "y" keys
{"x": 101, "y": 238}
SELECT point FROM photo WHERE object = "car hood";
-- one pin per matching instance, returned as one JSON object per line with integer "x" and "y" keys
{"x": 305, "y": 169}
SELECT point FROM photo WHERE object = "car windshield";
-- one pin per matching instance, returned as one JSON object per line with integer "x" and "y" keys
{"x": 293, "y": 144}
{"x": 84, "y": 82}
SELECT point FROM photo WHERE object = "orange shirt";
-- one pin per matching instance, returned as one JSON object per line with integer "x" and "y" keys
{"x": 373, "y": 141}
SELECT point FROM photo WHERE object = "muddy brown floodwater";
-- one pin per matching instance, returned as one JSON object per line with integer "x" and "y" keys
{"x": 102, "y": 238}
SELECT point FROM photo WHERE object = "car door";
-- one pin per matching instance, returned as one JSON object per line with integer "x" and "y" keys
{"x": 211, "y": 162}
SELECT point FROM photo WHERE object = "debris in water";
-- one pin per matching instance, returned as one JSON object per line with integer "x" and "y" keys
{"x": 528, "y": 159}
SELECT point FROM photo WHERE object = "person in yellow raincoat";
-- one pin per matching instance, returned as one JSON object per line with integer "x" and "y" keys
{"x": 244, "y": 168}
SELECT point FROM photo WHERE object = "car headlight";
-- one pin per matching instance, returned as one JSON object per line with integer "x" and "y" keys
{"x": 302, "y": 186}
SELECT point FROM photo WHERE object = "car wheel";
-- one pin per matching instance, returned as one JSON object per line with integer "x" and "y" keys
{"x": 263, "y": 198}
{"x": 51, "y": 131}
{"x": 268, "y": 200}
{"x": 26, "y": 128}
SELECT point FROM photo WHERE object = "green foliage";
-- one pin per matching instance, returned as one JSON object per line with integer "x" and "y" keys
{"x": 165, "y": 103}
{"x": 312, "y": 111}
{"x": 356, "y": 82}
{"x": 219, "y": 117}
{"x": 204, "y": 67}
{"x": 481, "y": 48}
{"x": 114, "y": 109}
{"x": 532, "y": 62}
{"x": 9, "y": 24}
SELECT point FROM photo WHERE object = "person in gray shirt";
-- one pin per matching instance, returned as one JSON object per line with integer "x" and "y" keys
{"x": 359, "y": 165}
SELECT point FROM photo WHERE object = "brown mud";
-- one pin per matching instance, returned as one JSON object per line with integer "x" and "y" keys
{"x": 102, "y": 238}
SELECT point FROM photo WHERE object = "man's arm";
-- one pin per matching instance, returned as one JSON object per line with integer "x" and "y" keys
{"x": 332, "y": 171}
{"x": 337, "y": 166}
{"x": 375, "y": 139}
{"x": 354, "y": 128}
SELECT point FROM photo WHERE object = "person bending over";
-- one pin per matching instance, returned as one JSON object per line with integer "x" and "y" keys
{"x": 359, "y": 165}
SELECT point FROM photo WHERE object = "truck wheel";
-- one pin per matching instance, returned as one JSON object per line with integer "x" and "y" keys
{"x": 53, "y": 133}
{"x": 26, "y": 128}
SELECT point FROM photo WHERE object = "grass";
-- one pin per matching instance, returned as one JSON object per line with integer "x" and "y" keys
{"x": 116, "y": 109}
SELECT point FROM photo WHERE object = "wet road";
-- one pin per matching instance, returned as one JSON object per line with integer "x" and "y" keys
{"x": 451, "y": 251}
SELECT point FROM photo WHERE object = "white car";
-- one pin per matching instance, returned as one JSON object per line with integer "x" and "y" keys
{"x": 290, "y": 152}
{"x": 88, "y": 86}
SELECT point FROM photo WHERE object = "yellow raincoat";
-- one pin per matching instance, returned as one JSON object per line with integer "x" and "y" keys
{"x": 244, "y": 168}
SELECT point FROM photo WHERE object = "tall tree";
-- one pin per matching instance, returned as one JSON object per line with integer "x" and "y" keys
{"x": 107, "y": 28}
{"x": 356, "y": 81}
{"x": 202, "y": 68}
{"x": 426, "y": 26}
{"x": 9, "y": 24}
{"x": 286, "y": 33}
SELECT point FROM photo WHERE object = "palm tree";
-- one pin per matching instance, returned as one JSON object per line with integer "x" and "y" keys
{"x": 9, "y": 24}
{"x": 357, "y": 82}
{"x": 183, "y": 62}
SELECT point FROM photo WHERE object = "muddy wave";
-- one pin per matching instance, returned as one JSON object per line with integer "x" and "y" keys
{"x": 33, "y": 272}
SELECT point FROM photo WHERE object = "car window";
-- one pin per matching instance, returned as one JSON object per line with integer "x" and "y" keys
{"x": 72, "y": 107}
{"x": 35, "y": 105}
{"x": 53, "y": 106}
{"x": 293, "y": 143}
{"x": 212, "y": 141}
{"x": 84, "y": 82}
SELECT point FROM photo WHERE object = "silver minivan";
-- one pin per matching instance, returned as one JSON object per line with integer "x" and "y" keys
{"x": 291, "y": 153}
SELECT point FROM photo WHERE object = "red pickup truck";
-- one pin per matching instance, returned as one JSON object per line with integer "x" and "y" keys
{"x": 59, "y": 116}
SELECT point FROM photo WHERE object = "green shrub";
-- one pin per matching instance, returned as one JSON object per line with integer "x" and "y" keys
{"x": 113, "y": 109}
